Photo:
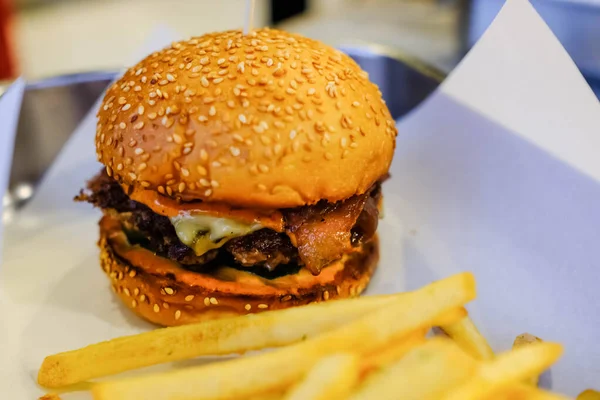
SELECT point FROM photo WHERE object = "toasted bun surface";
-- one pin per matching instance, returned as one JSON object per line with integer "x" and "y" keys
{"x": 162, "y": 292}
{"x": 269, "y": 119}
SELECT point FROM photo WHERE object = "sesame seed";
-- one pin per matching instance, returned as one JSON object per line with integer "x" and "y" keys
{"x": 248, "y": 307}
{"x": 122, "y": 125}
{"x": 141, "y": 110}
{"x": 204, "y": 182}
{"x": 204, "y": 81}
{"x": 326, "y": 295}
{"x": 177, "y": 314}
{"x": 202, "y": 118}
{"x": 356, "y": 104}
{"x": 234, "y": 151}
{"x": 156, "y": 308}
{"x": 290, "y": 91}
{"x": 185, "y": 172}
{"x": 208, "y": 100}
{"x": 181, "y": 187}
{"x": 242, "y": 118}
{"x": 170, "y": 78}
{"x": 121, "y": 101}
{"x": 208, "y": 193}
{"x": 132, "y": 273}
{"x": 166, "y": 306}
{"x": 132, "y": 176}
{"x": 213, "y": 301}
{"x": 328, "y": 156}
{"x": 127, "y": 293}
{"x": 263, "y": 168}
{"x": 263, "y": 306}
{"x": 212, "y": 111}
{"x": 204, "y": 61}
{"x": 152, "y": 116}
{"x": 230, "y": 104}
{"x": 220, "y": 61}
{"x": 189, "y": 297}
{"x": 134, "y": 303}
{"x": 203, "y": 155}
{"x": 139, "y": 125}
{"x": 206, "y": 301}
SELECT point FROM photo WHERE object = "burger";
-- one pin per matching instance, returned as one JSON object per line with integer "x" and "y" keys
{"x": 242, "y": 174}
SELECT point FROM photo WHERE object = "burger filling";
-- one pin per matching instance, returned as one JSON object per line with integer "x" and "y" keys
{"x": 287, "y": 239}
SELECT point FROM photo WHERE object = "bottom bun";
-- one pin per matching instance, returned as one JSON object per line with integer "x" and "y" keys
{"x": 161, "y": 291}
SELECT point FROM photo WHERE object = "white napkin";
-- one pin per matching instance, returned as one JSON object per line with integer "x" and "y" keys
{"x": 497, "y": 174}
{"x": 10, "y": 106}
{"x": 492, "y": 174}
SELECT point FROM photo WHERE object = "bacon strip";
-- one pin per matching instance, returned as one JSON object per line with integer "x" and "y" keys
{"x": 323, "y": 232}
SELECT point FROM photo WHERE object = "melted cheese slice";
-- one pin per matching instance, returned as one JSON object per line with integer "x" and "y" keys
{"x": 205, "y": 226}
{"x": 203, "y": 232}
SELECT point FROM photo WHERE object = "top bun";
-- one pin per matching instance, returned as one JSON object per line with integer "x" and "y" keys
{"x": 266, "y": 120}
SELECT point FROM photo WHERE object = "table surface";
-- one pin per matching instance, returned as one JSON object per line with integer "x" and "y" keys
{"x": 55, "y": 39}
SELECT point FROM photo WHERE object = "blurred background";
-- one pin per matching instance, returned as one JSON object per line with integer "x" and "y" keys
{"x": 42, "y": 38}
{"x": 69, "y": 50}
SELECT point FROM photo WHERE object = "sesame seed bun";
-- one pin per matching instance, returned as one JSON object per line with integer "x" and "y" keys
{"x": 162, "y": 292}
{"x": 269, "y": 119}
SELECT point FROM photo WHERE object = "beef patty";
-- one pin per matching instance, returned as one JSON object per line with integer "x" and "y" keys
{"x": 264, "y": 248}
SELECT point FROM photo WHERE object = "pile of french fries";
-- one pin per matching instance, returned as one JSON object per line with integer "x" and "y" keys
{"x": 375, "y": 347}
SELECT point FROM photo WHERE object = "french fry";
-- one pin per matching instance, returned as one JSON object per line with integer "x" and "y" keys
{"x": 466, "y": 334}
{"x": 226, "y": 336}
{"x": 507, "y": 369}
{"x": 589, "y": 394}
{"x": 525, "y": 392}
{"x": 270, "y": 395}
{"x": 391, "y": 352}
{"x": 397, "y": 347}
{"x": 280, "y": 368}
{"x": 425, "y": 372}
{"x": 526, "y": 339}
{"x": 333, "y": 377}
{"x": 50, "y": 396}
